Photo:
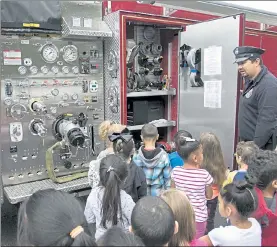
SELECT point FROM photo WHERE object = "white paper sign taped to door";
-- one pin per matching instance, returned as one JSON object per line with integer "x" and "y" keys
{"x": 212, "y": 94}
{"x": 213, "y": 60}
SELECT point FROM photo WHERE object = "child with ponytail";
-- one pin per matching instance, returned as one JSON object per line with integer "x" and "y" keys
{"x": 237, "y": 202}
{"x": 193, "y": 180}
{"x": 124, "y": 146}
{"x": 108, "y": 205}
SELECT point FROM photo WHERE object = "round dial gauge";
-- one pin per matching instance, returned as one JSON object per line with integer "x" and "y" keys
{"x": 50, "y": 53}
{"x": 74, "y": 96}
{"x": 8, "y": 101}
{"x": 22, "y": 70}
{"x": 65, "y": 70}
{"x": 44, "y": 69}
{"x": 75, "y": 70}
{"x": 70, "y": 53}
{"x": 55, "y": 92}
{"x": 34, "y": 70}
{"x": 65, "y": 97}
{"x": 55, "y": 69}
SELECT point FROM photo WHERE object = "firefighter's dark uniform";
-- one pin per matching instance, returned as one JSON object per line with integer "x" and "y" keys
{"x": 257, "y": 118}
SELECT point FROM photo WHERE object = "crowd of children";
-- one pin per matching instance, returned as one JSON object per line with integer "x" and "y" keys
{"x": 151, "y": 198}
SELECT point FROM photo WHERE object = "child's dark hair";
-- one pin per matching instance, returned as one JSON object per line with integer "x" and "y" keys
{"x": 123, "y": 143}
{"x": 113, "y": 172}
{"x": 48, "y": 217}
{"x": 242, "y": 196}
{"x": 149, "y": 131}
{"x": 185, "y": 146}
{"x": 115, "y": 236}
{"x": 262, "y": 168}
{"x": 180, "y": 133}
{"x": 246, "y": 150}
{"x": 153, "y": 221}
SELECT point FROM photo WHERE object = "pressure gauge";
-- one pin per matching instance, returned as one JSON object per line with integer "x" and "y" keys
{"x": 55, "y": 69}
{"x": 50, "y": 53}
{"x": 34, "y": 70}
{"x": 22, "y": 70}
{"x": 65, "y": 70}
{"x": 74, "y": 96}
{"x": 65, "y": 97}
{"x": 55, "y": 92}
{"x": 75, "y": 70}
{"x": 44, "y": 69}
{"x": 70, "y": 53}
{"x": 8, "y": 101}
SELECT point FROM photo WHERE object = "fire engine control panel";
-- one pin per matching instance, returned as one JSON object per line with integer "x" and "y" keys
{"x": 51, "y": 91}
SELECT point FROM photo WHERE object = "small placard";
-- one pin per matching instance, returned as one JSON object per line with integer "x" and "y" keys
{"x": 12, "y": 57}
{"x": 76, "y": 21}
{"x": 88, "y": 22}
{"x": 25, "y": 42}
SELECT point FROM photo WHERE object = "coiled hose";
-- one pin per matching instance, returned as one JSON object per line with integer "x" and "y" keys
{"x": 50, "y": 168}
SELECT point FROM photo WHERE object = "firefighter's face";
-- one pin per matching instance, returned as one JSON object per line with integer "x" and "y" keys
{"x": 249, "y": 68}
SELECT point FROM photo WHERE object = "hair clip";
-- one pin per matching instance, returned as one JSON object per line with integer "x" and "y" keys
{"x": 188, "y": 139}
{"x": 123, "y": 137}
{"x": 110, "y": 169}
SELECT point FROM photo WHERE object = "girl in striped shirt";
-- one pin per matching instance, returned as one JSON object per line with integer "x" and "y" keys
{"x": 195, "y": 182}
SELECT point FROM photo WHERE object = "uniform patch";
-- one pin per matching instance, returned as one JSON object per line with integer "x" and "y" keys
{"x": 249, "y": 94}
{"x": 236, "y": 51}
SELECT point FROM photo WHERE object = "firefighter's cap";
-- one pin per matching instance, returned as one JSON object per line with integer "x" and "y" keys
{"x": 242, "y": 53}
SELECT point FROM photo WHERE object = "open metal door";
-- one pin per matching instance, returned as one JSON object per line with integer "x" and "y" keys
{"x": 212, "y": 106}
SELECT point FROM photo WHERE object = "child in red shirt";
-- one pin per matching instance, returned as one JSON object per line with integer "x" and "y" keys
{"x": 263, "y": 169}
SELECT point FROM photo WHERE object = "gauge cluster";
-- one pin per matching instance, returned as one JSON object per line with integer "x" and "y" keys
{"x": 58, "y": 59}
{"x": 40, "y": 81}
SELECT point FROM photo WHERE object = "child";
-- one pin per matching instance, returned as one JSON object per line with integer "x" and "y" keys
{"x": 174, "y": 157}
{"x": 52, "y": 218}
{"x": 184, "y": 215}
{"x": 154, "y": 161}
{"x": 115, "y": 236}
{"x": 213, "y": 162}
{"x": 153, "y": 221}
{"x": 263, "y": 166}
{"x": 106, "y": 128}
{"x": 237, "y": 201}
{"x": 108, "y": 205}
{"x": 124, "y": 146}
{"x": 195, "y": 182}
{"x": 244, "y": 152}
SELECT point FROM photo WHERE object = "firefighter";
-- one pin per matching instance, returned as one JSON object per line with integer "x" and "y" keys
{"x": 257, "y": 119}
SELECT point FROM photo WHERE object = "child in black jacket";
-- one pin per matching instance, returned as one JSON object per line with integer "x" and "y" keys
{"x": 124, "y": 146}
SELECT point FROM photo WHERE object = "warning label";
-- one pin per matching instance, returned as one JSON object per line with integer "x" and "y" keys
{"x": 12, "y": 57}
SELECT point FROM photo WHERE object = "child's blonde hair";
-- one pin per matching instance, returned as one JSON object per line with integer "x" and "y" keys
{"x": 107, "y": 128}
{"x": 184, "y": 215}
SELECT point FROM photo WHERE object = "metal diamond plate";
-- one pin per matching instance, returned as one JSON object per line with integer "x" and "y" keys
{"x": 20, "y": 192}
{"x": 112, "y": 44}
{"x": 83, "y": 19}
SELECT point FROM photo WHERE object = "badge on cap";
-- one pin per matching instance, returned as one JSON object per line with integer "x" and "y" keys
{"x": 249, "y": 94}
{"x": 236, "y": 51}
